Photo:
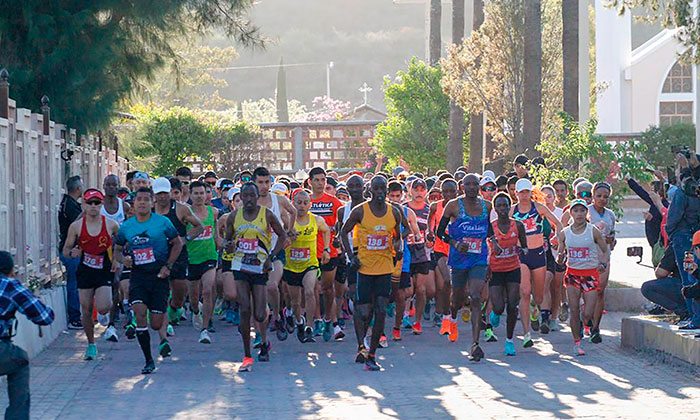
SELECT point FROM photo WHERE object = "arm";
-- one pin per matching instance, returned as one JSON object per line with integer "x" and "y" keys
{"x": 604, "y": 251}
{"x": 326, "y": 231}
{"x": 353, "y": 219}
{"x": 186, "y": 216}
{"x": 412, "y": 224}
{"x": 217, "y": 237}
{"x": 175, "y": 249}
{"x": 522, "y": 236}
{"x": 639, "y": 190}
{"x": 70, "y": 250}
{"x": 289, "y": 208}
{"x": 228, "y": 231}
{"x": 398, "y": 240}
{"x": 276, "y": 226}
{"x": 544, "y": 212}
{"x": 30, "y": 306}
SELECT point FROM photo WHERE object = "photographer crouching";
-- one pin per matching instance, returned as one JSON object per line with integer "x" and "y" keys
{"x": 683, "y": 221}
{"x": 14, "y": 361}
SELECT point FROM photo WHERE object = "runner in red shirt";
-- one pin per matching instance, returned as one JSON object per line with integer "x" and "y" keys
{"x": 326, "y": 206}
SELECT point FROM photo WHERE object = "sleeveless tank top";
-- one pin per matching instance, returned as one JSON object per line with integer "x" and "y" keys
{"x": 172, "y": 215}
{"x": 582, "y": 249}
{"x": 508, "y": 260}
{"x": 472, "y": 231}
{"x": 203, "y": 247}
{"x": 440, "y": 245}
{"x": 419, "y": 252}
{"x": 533, "y": 221}
{"x": 275, "y": 209}
{"x": 251, "y": 242}
{"x": 97, "y": 250}
{"x": 301, "y": 254}
{"x": 119, "y": 216}
{"x": 374, "y": 236}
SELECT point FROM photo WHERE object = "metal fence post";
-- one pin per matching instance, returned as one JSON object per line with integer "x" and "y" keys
{"x": 4, "y": 94}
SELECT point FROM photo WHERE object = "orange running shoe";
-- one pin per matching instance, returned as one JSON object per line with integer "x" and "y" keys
{"x": 247, "y": 365}
{"x": 417, "y": 330}
{"x": 445, "y": 326}
{"x": 454, "y": 331}
{"x": 396, "y": 334}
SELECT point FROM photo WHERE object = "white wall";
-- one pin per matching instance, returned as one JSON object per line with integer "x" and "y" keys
{"x": 28, "y": 333}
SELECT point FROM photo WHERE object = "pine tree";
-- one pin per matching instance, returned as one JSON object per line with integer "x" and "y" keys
{"x": 281, "y": 94}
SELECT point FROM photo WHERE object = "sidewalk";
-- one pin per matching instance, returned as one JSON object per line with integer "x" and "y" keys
{"x": 425, "y": 377}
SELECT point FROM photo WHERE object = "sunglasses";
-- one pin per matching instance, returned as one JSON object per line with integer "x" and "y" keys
{"x": 211, "y": 184}
{"x": 489, "y": 189}
{"x": 245, "y": 179}
{"x": 584, "y": 194}
{"x": 93, "y": 203}
{"x": 185, "y": 182}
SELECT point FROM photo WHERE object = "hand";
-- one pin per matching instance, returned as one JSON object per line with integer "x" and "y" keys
{"x": 560, "y": 258}
{"x": 690, "y": 267}
{"x": 116, "y": 268}
{"x": 647, "y": 216}
{"x": 694, "y": 160}
{"x": 659, "y": 175}
{"x": 292, "y": 235}
{"x": 229, "y": 246}
{"x": 164, "y": 272}
{"x": 524, "y": 251}
{"x": 75, "y": 252}
{"x": 496, "y": 248}
{"x": 325, "y": 257}
{"x": 336, "y": 242}
{"x": 462, "y": 247}
{"x": 128, "y": 262}
{"x": 355, "y": 262}
{"x": 682, "y": 161}
{"x": 267, "y": 265}
{"x": 430, "y": 237}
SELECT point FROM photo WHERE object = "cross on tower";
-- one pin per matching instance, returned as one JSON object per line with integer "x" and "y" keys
{"x": 365, "y": 89}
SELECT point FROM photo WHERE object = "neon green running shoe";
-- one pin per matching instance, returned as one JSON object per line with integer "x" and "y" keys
{"x": 489, "y": 335}
{"x": 91, "y": 353}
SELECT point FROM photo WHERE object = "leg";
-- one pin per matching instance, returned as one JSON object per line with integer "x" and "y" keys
{"x": 421, "y": 298}
{"x": 379, "y": 305}
{"x": 666, "y": 292}
{"x": 327, "y": 280}
{"x": 363, "y": 308}
{"x": 589, "y": 299}
{"x": 260, "y": 304}
{"x": 230, "y": 290}
{"x": 476, "y": 285}
{"x": 681, "y": 242}
{"x": 208, "y": 282}
{"x": 547, "y": 291}
{"x": 103, "y": 299}
{"x": 115, "y": 300}
{"x": 295, "y": 297}
{"x": 513, "y": 294}
{"x": 86, "y": 296}
{"x": 142, "y": 333}
{"x": 573, "y": 295}
{"x": 537, "y": 283}
{"x": 14, "y": 362}
{"x": 525, "y": 291}
{"x": 309, "y": 282}
{"x": 459, "y": 292}
{"x": 600, "y": 303}
{"x": 73, "y": 299}
{"x": 179, "y": 290}
{"x": 498, "y": 298}
{"x": 194, "y": 289}
{"x": 273, "y": 290}
{"x": 243, "y": 293}
{"x": 556, "y": 293}
{"x": 430, "y": 287}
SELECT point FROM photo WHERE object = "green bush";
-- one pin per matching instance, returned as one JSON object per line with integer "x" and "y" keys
{"x": 660, "y": 140}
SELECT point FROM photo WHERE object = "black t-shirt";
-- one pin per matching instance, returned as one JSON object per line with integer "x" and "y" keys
{"x": 69, "y": 211}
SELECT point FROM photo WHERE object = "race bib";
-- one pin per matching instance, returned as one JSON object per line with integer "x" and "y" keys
{"x": 579, "y": 253}
{"x": 94, "y": 261}
{"x": 226, "y": 256}
{"x": 206, "y": 234}
{"x": 248, "y": 246}
{"x": 144, "y": 256}
{"x": 377, "y": 242}
{"x": 300, "y": 254}
{"x": 530, "y": 225}
{"x": 507, "y": 252}
{"x": 473, "y": 245}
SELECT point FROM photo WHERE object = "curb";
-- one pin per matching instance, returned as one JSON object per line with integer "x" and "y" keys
{"x": 651, "y": 333}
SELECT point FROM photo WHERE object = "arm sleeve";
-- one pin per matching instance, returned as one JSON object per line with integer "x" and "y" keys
{"x": 31, "y": 306}
{"x": 640, "y": 191}
{"x": 442, "y": 229}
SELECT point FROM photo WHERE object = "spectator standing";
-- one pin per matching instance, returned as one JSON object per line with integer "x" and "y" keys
{"x": 69, "y": 211}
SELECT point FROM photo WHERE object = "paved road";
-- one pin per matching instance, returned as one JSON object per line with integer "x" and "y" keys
{"x": 424, "y": 377}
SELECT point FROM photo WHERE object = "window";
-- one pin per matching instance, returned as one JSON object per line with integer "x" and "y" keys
{"x": 679, "y": 79}
{"x": 675, "y": 112}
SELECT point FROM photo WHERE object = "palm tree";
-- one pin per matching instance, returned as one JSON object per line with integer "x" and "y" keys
{"x": 569, "y": 42}
{"x": 434, "y": 37}
{"x": 476, "y": 123}
{"x": 532, "y": 79}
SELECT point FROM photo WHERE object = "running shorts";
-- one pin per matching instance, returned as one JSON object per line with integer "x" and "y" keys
{"x": 534, "y": 259}
{"x": 91, "y": 278}
{"x": 250, "y": 278}
{"x": 584, "y": 280}
{"x": 460, "y": 277}
{"x": 295, "y": 279}
{"x": 150, "y": 290}
{"x": 331, "y": 265}
{"x": 500, "y": 279}
{"x": 372, "y": 286}
{"x": 196, "y": 271}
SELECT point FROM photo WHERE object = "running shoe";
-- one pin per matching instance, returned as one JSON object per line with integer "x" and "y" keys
{"x": 445, "y": 326}
{"x": 367, "y": 341}
{"x": 197, "y": 321}
{"x": 489, "y": 335}
{"x": 75, "y": 325}
{"x": 338, "y": 333}
{"x": 91, "y": 353}
{"x": 309, "y": 335}
{"x": 164, "y": 349}
{"x": 372, "y": 365}
{"x": 578, "y": 350}
{"x": 534, "y": 318}
{"x": 236, "y": 318}
{"x": 595, "y": 336}
{"x": 172, "y": 314}
{"x": 587, "y": 328}
{"x": 466, "y": 314}
{"x": 327, "y": 331}
{"x": 417, "y": 329}
{"x": 318, "y": 328}
{"x": 247, "y": 365}
{"x": 301, "y": 334}
{"x": 406, "y": 322}
{"x": 210, "y": 327}
{"x": 111, "y": 334}
{"x": 257, "y": 342}
{"x": 391, "y": 310}
{"x": 454, "y": 331}
{"x": 103, "y": 319}
{"x": 228, "y": 316}
{"x": 510, "y": 349}
{"x": 437, "y": 319}
{"x": 544, "y": 327}
{"x": 149, "y": 368}
{"x": 169, "y": 331}
{"x": 396, "y": 334}
{"x": 264, "y": 355}
{"x": 426, "y": 311}
{"x": 130, "y": 331}
{"x": 494, "y": 320}
{"x": 204, "y": 337}
{"x": 564, "y": 312}
{"x": 554, "y": 325}
{"x": 219, "y": 306}
{"x": 361, "y": 355}
{"x": 341, "y": 322}
{"x": 476, "y": 353}
{"x": 527, "y": 340}
{"x": 289, "y": 321}
{"x": 412, "y": 311}
{"x": 383, "y": 343}
{"x": 281, "y": 331}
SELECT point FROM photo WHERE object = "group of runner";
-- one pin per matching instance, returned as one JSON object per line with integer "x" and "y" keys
{"x": 302, "y": 256}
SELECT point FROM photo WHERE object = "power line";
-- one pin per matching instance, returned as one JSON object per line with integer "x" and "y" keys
{"x": 265, "y": 66}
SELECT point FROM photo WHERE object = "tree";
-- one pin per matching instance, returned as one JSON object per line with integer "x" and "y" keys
{"x": 569, "y": 43}
{"x": 88, "y": 55}
{"x": 416, "y": 128}
{"x": 476, "y": 122}
{"x": 661, "y": 140}
{"x": 265, "y": 110}
{"x": 532, "y": 77}
{"x": 434, "y": 34}
{"x": 281, "y": 94}
{"x": 324, "y": 108}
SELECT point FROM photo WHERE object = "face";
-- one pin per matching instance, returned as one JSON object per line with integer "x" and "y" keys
{"x": 601, "y": 197}
{"x": 111, "y": 186}
{"x": 163, "y": 199}
{"x": 418, "y": 193}
{"x": 586, "y": 195}
{"x": 176, "y": 194}
{"x": 548, "y": 197}
{"x": 520, "y": 170}
{"x": 378, "y": 188}
{"x": 449, "y": 190}
{"x": 209, "y": 195}
{"x": 561, "y": 192}
{"x": 330, "y": 189}
{"x": 502, "y": 207}
{"x": 318, "y": 183}
{"x": 198, "y": 195}
{"x": 92, "y": 207}
{"x": 579, "y": 213}
{"x": 355, "y": 188}
{"x": 524, "y": 196}
{"x": 395, "y": 196}
{"x": 249, "y": 197}
{"x": 488, "y": 191}
{"x": 342, "y": 196}
{"x": 185, "y": 182}
{"x": 435, "y": 196}
{"x": 263, "y": 183}
{"x": 511, "y": 191}
{"x": 302, "y": 203}
{"x": 211, "y": 181}
{"x": 141, "y": 183}
{"x": 143, "y": 203}
{"x": 237, "y": 202}
{"x": 470, "y": 184}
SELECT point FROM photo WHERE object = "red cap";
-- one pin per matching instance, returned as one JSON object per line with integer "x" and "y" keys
{"x": 696, "y": 238}
{"x": 92, "y": 194}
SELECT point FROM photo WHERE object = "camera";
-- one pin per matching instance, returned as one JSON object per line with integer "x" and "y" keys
{"x": 684, "y": 150}
{"x": 635, "y": 251}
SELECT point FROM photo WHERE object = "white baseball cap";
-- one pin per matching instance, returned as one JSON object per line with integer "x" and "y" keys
{"x": 486, "y": 180}
{"x": 523, "y": 184}
{"x": 232, "y": 192}
{"x": 161, "y": 185}
{"x": 489, "y": 174}
{"x": 279, "y": 188}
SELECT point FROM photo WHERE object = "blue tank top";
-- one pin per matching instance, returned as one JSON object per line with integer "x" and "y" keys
{"x": 532, "y": 220}
{"x": 473, "y": 231}
{"x": 406, "y": 264}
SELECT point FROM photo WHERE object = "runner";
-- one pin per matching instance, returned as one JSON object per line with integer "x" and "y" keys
{"x": 355, "y": 188}
{"x": 533, "y": 266}
{"x": 202, "y": 256}
{"x": 443, "y": 275}
{"x": 377, "y": 227}
{"x": 604, "y": 219}
{"x": 326, "y": 206}
{"x": 418, "y": 246}
{"x": 90, "y": 239}
{"x": 301, "y": 268}
{"x": 504, "y": 267}
{"x": 286, "y": 213}
{"x": 116, "y": 209}
{"x": 561, "y": 189}
{"x": 555, "y": 272}
{"x": 587, "y": 256}
{"x": 248, "y": 237}
{"x": 181, "y": 217}
{"x": 154, "y": 246}
{"x": 468, "y": 219}
{"x": 184, "y": 175}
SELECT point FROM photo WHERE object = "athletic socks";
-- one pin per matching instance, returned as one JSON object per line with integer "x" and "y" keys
{"x": 545, "y": 314}
{"x": 447, "y": 317}
{"x": 144, "y": 342}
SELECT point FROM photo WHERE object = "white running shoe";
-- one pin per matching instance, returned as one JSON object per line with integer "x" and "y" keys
{"x": 111, "y": 334}
{"x": 338, "y": 333}
{"x": 368, "y": 341}
{"x": 197, "y": 320}
{"x": 204, "y": 337}
{"x": 169, "y": 330}
{"x": 103, "y": 319}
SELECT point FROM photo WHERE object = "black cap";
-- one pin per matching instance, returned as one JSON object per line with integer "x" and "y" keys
{"x": 225, "y": 183}
{"x": 210, "y": 174}
{"x": 521, "y": 159}
{"x": 6, "y": 263}
{"x": 332, "y": 182}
